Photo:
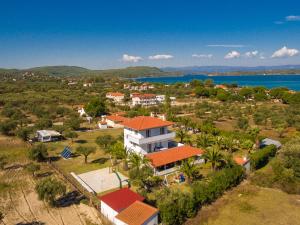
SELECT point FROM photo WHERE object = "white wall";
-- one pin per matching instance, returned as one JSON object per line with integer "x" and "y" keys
{"x": 108, "y": 212}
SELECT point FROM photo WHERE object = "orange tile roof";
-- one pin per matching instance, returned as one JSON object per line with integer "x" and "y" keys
{"x": 173, "y": 155}
{"x": 137, "y": 213}
{"x": 145, "y": 122}
{"x": 115, "y": 94}
{"x": 117, "y": 118}
{"x": 241, "y": 161}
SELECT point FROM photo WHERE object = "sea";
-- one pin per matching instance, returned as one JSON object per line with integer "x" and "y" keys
{"x": 269, "y": 81}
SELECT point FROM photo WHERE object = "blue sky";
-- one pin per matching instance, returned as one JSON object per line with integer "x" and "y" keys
{"x": 109, "y": 34}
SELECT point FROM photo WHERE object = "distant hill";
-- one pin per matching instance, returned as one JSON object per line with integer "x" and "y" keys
{"x": 74, "y": 71}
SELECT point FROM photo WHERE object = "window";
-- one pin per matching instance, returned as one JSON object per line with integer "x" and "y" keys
{"x": 148, "y": 133}
{"x": 162, "y": 130}
{"x": 149, "y": 148}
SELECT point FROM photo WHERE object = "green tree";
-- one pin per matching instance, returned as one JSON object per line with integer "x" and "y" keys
{"x": 214, "y": 156}
{"x": 204, "y": 140}
{"x": 96, "y": 107}
{"x": 119, "y": 151}
{"x": 85, "y": 151}
{"x": 49, "y": 189}
{"x": 38, "y": 152}
{"x": 104, "y": 141}
{"x": 189, "y": 168}
{"x": 24, "y": 133}
{"x": 32, "y": 168}
{"x": 181, "y": 134}
{"x": 7, "y": 127}
{"x": 73, "y": 123}
{"x": 242, "y": 123}
{"x": 71, "y": 134}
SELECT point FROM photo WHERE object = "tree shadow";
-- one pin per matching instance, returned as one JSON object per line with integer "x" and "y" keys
{"x": 31, "y": 223}
{"x": 54, "y": 158}
{"x": 80, "y": 141}
{"x": 68, "y": 199}
{"x": 14, "y": 167}
{"x": 46, "y": 174}
{"x": 100, "y": 160}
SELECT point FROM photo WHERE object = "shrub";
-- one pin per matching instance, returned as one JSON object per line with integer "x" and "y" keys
{"x": 261, "y": 157}
{"x": 38, "y": 152}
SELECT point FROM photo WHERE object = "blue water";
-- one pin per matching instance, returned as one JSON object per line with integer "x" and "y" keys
{"x": 270, "y": 81}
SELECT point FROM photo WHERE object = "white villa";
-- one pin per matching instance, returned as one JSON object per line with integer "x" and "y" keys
{"x": 145, "y": 134}
{"x": 116, "y": 97}
{"x": 150, "y": 137}
{"x": 143, "y": 99}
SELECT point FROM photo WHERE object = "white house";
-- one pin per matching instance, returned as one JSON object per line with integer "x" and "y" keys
{"x": 115, "y": 121}
{"x": 116, "y": 97}
{"x": 102, "y": 125}
{"x": 244, "y": 162}
{"x": 115, "y": 202}
{"x": 145, "y": 134}
{"x": 143, "y": 99}
{"x": 138, "y": 213}
{"x": 82, "y": 112}
{"x": 48, "y": 135}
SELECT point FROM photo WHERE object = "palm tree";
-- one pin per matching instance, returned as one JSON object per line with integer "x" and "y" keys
{"x": 181, "y": 134}
{"x": 119, "y": 151}
{"x": 189, "y": 168}
{"x": 137, "y": 160}
{"x": 214, "y": 156}
{"x": 203, "y": 140}
{"x": 230, "y": 144}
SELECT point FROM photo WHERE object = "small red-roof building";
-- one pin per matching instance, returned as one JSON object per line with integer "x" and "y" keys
{"x": 167, "y": 161}
{"x": 115, "y": 202}
{"x": 244, "y": 162}
{"x": 115, "y": 121}
{"x": 138, "y": 213}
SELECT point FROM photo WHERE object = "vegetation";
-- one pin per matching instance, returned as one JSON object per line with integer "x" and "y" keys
{"x": 49, "y": 189}
{"x": 38, "y": 152}
{"x": 85, "y": 151}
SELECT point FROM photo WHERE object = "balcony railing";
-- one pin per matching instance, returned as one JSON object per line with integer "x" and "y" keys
{"x": 145, "y": 140}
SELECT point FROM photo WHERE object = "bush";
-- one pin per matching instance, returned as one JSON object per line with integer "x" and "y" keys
{"x": 207, "y": 192}
{"x": 261, "y": 157}
{"x": 38, "y": 152}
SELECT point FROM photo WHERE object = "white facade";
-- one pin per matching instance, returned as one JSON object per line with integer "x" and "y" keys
{"x": 116, "y": 97}
{"x": 82, "y": 112}
{"x": 108, "y": 212}
{"x": 147, "y": 141}
{"x": 144, "y": 101}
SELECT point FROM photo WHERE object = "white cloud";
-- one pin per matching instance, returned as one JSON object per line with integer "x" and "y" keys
{"x": 227, "y": 46}
{"x": 285, "y": 52}
{"x": 131, "y": 58}
{"x": 292, "y": 18}
{"x": 158, "y": 57}
{"x": 279, "y": 22}
{"x": 232, "y": 55}
{"x": 251, "y": 54}
{"x": 208, "y": 56}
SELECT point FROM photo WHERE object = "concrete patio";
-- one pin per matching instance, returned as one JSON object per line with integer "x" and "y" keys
{"x": 100, "y": 180}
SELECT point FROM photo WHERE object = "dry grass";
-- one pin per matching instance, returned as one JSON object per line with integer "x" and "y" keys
{"x": 251, "y": 205}
{"x": 97, "y": 160}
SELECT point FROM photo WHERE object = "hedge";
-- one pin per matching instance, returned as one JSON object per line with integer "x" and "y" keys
{"x": 261, "y": 157}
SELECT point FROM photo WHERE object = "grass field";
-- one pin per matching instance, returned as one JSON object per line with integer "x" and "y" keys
{"x": 251, "y": 205}
{"x": 97, "y": 160}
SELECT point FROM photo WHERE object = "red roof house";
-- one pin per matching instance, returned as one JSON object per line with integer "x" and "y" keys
{"x": 145, "y": 122}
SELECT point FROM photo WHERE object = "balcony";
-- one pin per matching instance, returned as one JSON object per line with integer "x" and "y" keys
{"x": 143, "y": 140}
